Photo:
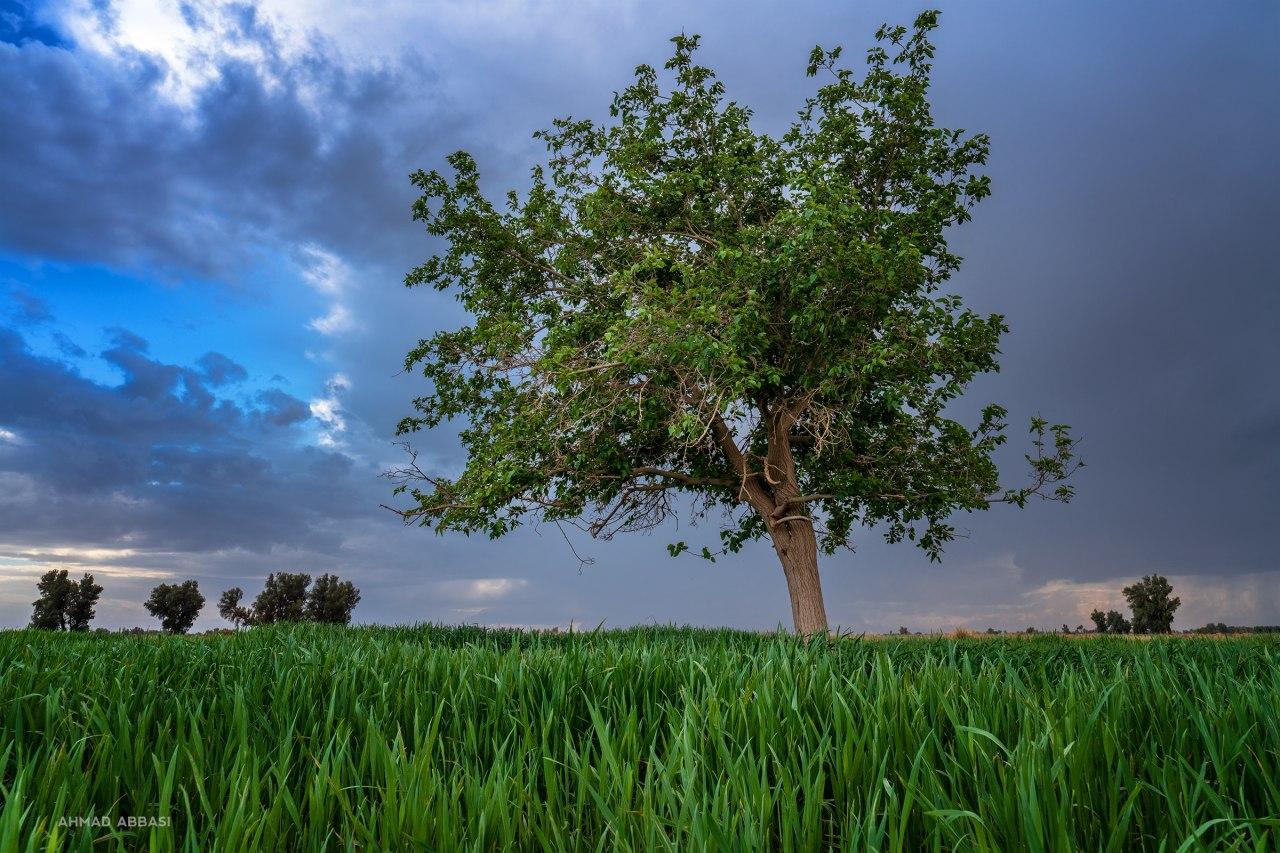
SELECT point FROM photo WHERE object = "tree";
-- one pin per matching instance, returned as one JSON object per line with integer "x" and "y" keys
{"x": 64, "y": 604}
{"x": 229, "y": 607}
{"x": 51, "y": 607}
{"x": 176, "y": 605}
{"x": 283, "y": 598}
{"x": 331, "y": 600}
{"x": 683, "y": 305}
{"x": 82, "y": 607}
{"x": 1111, "y": 622}
{"x": 1151, "y": 605}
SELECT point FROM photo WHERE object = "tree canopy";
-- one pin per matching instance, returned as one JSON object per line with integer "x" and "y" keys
{"x": 176, "y": 605}
{"x": 285, "y": 597}
{"x": 1152, "y": 604}
{"x": 331, "y": 600}
{"x": 64, "y": 604}
{"x": 682, "y": 304}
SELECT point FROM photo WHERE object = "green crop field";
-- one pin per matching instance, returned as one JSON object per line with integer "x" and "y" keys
{"x": 452, "y": 738}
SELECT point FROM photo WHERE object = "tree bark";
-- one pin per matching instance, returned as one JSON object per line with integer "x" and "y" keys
{"x": 797, "y": 549}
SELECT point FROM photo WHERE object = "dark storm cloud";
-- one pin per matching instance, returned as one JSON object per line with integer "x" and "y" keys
{"x": 159, "y": 462}
{"x": 101, "y": 166}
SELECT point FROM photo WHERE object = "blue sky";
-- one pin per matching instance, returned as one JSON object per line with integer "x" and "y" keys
{"x": 204, "y": 226}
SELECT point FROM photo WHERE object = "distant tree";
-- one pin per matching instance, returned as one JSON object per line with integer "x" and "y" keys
{"x": 283, "y": 598}
{"x": 83, "y": 605}
{"x": 1111, "y": 622}
{"x": 331, "y": 600}
{"x": 229, "y": 607}
{"x": 176, "y": 605}
{"x": 683, "y": 306}
{"x": 64, "y": 604}
{"x": 1066, "y": 629}
{"x": 1152, "y": 605}
{"x": 902, "y": 629}
{"x": 51, "y": 607}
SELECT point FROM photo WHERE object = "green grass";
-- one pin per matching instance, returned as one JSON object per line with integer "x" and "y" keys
{"x": 454, "y": 738}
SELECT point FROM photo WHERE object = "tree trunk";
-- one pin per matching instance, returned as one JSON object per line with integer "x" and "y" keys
{"x": 797, "y": 549}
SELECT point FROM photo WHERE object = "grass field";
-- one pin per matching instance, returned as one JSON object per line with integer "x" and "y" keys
{"x": 454, "y": 738}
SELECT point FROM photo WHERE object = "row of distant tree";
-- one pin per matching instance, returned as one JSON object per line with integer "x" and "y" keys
{"x": 69, "y": 605}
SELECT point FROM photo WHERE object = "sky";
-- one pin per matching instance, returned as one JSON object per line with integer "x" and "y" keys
{"x": 205, "y": 227}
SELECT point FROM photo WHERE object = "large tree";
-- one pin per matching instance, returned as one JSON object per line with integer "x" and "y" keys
{"x": 283, "y": 598}
{"x": 176, "y": 605}
{"x": 683, "y": 304}
{"x": 331, "y": 600}
{"x": 1153, "y": 604}
{"x": 64, "y": 604}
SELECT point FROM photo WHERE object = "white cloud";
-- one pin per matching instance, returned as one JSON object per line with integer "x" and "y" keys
{"x": 329, "y": 276}
{"x": 191, "y": 41}
{"x": 18, "y": 565}
{"x": 328, "y": 411}
{"x": 338, "y": 319}
{"x": 323, "y": 270}
{"x": 481, "y": 589}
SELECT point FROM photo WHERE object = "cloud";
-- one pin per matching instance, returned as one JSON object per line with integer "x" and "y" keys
{"x": 27, "y": 309}
{"x": 68, "y": 347}
{"x": 159, "y": 462}
{"x": 194, "y": 165}
{"x": 19, "y": 24}
{"x": 338, "y": 319}
{"x": 281, "y": 409}
{"x": 217, "y": 369}
{"x": 328, "y": 411}
{"x": 480, "y": 589}
{"x": 326, "y": 273}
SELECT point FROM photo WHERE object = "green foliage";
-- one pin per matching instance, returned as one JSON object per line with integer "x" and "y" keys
{"x": 283, "y": 598}
{"x": 1152, "y": 605}
{"x": 230, "y": 608}
{"x": 64, "y": 604}
{"x": 306, "y": 737}
{"x": 680, "y": 303}
{"x": 176, "y": 605}
{"x": 331, "y": 600}
{"x": 1111, "y": 622}
{"x": 286, "y": 598}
